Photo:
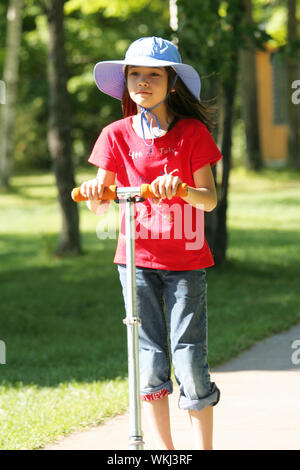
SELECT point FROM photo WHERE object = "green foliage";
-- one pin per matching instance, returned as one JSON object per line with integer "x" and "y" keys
{"x": 208, "y": 34}
{"x": 3, "y": 10}
{"x": 103, "y": 29}
{"x": 115, "y": 8}
{"x": 94, "y": 31}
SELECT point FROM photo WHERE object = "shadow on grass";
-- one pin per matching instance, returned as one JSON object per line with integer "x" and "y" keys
{"x": 256, "y": 295}
{"x": 62, "y": 318}
{"x": 21, "y": 190}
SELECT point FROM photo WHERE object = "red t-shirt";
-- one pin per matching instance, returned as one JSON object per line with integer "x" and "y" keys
{"x": 169, "y": 235}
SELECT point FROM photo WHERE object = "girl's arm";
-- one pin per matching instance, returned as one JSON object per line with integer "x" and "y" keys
{"x": 93, "y": 189}
{"x": 205, "y": 191}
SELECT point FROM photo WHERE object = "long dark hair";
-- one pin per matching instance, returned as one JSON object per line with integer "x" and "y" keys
{"x": 180, "y": 103}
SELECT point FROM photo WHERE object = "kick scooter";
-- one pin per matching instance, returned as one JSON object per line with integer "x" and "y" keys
{"x": 131, "y": 195}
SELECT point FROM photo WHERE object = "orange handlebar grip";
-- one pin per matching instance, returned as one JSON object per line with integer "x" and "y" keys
{"x": 77, "y": 196}
{"x": 110, "y": 192}
{"x": 146, "y": 191}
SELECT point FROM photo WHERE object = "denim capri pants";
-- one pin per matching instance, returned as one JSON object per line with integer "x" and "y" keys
{"x": 173, "y": 313}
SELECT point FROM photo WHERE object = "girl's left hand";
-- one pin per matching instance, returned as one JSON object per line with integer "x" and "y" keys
{"x": 166, "y": 186}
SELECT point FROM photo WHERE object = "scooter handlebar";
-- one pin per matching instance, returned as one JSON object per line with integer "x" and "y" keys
{"x": 110, "y": 192}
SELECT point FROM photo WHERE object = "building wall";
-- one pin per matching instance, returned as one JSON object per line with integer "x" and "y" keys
{"x": 273, "y": 136}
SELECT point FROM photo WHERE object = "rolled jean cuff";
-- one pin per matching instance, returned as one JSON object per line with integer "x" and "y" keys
{"x": 157, "y": 392}
{"x": 210, "y": 400}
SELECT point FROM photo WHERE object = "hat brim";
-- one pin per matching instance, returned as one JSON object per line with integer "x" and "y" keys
{"x": 110, "y": 79}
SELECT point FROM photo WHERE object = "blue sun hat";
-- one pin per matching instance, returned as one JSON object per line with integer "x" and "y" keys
{"x": 145, "y": 52}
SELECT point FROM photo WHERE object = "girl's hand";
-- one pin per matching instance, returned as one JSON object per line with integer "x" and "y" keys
{"x": 165, "y": 186}
{"x": 98, "y": 207}
{"x": 92, "y": 189}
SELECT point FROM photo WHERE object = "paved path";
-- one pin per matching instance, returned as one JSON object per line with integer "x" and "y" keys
{"x": 259, "y": 407}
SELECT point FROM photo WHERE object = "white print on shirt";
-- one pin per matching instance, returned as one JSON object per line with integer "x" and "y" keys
{"x": 136, "y": 154}
{"x": 166, "y": 150}
{"x": 157, "y": 222}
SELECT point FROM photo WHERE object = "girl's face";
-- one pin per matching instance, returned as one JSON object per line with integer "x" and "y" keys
{"x": 147, "y": 86}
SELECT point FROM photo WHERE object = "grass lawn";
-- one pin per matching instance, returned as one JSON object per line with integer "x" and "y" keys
{"x": 61, "y": 319}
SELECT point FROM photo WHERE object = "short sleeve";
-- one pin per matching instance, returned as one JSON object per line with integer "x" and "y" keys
{"x": 102, "y": 153}
{"x": 205, "y": 150}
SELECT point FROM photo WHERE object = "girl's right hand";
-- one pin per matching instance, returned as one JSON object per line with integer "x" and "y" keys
{"x": 92, "y": 189}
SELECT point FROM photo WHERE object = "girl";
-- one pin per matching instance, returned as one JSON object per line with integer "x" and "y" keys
{"x": 164, "y": 140}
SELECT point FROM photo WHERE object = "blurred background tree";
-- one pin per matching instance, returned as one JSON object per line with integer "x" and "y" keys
{"x": 213, "y": 46}
{"x": 219, "y": 38}
{"x": 60, "y": 111}
{"x": 94, "y": 30}
{"x": 59, "y": 136}
{"x": 10, "y": 77}
{"x": 249, "y": 88}
{"x": 293, "y": 60}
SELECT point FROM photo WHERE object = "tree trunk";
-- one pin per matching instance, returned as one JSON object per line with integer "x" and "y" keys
{"x": 59, "y": 129}
{"x": 211, "y": 217}
{"x": 173, "y": 13}
{"x": 249, "y": 94}
{"x": 221, "y": 235}
{"x": 10, "y": 77}
{"x": 292, "y": 73}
